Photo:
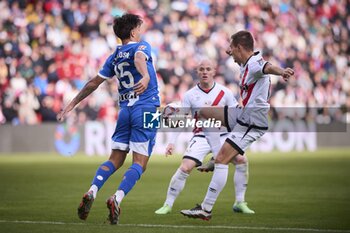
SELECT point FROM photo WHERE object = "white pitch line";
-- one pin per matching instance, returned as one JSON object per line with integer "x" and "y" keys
{"x": 184, "y": 226}
{"x": 40, "y": 222}
{"x": 237, "y": 227}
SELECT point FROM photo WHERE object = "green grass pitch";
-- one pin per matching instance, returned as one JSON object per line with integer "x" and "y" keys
{"x": 290, "y": 192}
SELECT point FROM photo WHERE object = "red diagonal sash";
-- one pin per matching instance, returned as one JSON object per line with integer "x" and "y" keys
{"x": 218, "y": 98}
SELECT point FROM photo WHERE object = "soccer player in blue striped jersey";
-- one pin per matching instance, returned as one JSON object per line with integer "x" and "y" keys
{"x": 132, "y": 65}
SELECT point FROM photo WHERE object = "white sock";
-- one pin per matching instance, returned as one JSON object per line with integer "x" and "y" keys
{"x": 94, "y": 190}
{"x": 216, "y": 185}
{"x": 119, "y": 195}
{"x": 240, "y": 179}
{"x": 176, "y": 185}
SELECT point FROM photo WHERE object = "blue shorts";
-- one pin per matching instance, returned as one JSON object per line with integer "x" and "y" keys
{"x": 130, "y": 133}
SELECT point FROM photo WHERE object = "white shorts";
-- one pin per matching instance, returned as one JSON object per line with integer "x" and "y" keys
{"x": 199, "y": 147}
{"x": 241, "y": 135}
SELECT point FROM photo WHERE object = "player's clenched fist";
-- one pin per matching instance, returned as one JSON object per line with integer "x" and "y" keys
{"x": 169, "y": 149}
{"x": 287, "y": 73}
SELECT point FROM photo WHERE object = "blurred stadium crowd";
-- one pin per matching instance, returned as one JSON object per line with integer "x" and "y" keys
{"x": 49, "y": 49}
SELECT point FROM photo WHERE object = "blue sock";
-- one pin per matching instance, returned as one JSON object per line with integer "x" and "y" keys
{"x": 103, "y": 173}
{"x": 132, "y": 175}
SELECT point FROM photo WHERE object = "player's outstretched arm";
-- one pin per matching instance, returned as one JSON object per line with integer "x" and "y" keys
{"x": 276, "y": 70}
{"x": 141, "y": 66}
{"x": 89, "y": 87}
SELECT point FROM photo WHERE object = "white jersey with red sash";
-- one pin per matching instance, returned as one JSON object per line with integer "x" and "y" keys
{"x": 255, "y": 87}
{"x": 197, "y": 98}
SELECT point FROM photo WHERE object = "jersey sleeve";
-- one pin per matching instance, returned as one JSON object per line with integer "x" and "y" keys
{"x": 186, "y": 104}
{"x": 230, "y": 99}
{"x": 257, "y": 67}
{"x": 144, "y": 48}
{"x": 107, "y": 70}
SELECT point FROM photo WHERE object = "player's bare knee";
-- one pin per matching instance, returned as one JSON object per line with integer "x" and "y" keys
{"x": 140, "y": 159}
{"x": 187, "y": 165}
{"x": 186, "y": 168}
{"x": 219, "y": 159}
{"x": 144, "y": 168}
{"x": 240, "y": 159}
{"x": 142, "y": 164}
{"x": 117, "y": 157}
{"x": 116, "y": 163}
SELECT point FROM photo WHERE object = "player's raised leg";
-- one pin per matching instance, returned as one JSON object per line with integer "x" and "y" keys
{"x": 213, "y": 112}
{"x": 212, "y": 135}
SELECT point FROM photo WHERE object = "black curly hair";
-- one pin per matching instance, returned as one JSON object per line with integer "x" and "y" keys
{"x": 123, "y": 25}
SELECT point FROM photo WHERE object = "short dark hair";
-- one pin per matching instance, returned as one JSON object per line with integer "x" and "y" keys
{"x": 243, "y": 38}
{"x": 123, "y": 25}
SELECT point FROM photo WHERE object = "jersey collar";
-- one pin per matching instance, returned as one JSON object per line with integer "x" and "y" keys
{"x": 207, "y": 90}
{"x": 254, "y": 54}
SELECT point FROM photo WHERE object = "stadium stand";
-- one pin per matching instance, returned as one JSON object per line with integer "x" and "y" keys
{"x": 49, "y": 49}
